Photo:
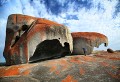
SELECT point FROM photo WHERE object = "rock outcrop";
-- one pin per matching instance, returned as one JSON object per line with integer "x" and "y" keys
{"x": 99, "y": 67}
{"x": 110, "y": 50}
{"x": 30, "y": 39}
{"x": 84, "y": 42}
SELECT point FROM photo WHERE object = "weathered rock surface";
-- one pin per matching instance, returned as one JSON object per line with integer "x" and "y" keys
{"x": 30, "y": 39}
{"x": 84, "y": 42}
{"x": 110, "y": 50}
{"x": 98, "y": 67}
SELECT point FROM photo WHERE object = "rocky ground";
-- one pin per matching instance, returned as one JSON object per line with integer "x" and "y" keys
{"x": 100, "y": 66}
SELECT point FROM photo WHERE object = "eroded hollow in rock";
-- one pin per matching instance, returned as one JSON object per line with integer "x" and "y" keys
{"x": 20, "y": 32}
{"x": 50, "y": 49}
{"x": 24, "y": 27}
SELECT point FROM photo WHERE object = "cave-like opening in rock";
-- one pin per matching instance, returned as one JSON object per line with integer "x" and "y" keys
{"x": 50, "y": 49}
{"x": 24, "y": 27}
{"x": 20, "y": 33}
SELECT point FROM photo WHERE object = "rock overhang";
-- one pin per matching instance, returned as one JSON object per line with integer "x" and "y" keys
{"x": 97, "y": 38}
{"x": 24, "y": 33}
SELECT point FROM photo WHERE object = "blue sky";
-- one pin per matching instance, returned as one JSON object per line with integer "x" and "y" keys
{"x": 101, "y": 16}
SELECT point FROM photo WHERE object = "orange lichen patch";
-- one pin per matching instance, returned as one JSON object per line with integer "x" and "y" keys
{"x": 82, "y": 71}
{"x": 47, "y": 22}
{"x": 94, "y": 38}
{"x": 64, "y": 64}
{"x": 90, "y": 35}
{"x": 26, "y": 72}
{"x": 88, "y": 58}
{"x": 63, "y": 61}
{"x": 37, "y": 28}
{"x": 52, "y": 65}
{"x": 58, "y": 62}
{"x": 16, "y": 70}
{"x": 21, "y": 18}
{"x": 58, "y": 66}
{"x": 25, "y": 69}
{"x": 69, "y": 78}
{"x": 108, "y": 65}
{"x": 104, "y": 64}
{"x": 53, "y": 68}
{"x": 9, "y": 72}
{"x": 75, "y": 60}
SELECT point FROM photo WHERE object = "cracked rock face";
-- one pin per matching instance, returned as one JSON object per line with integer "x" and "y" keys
{"x": 29, "y": 39}
{"x": 84, "y": 42}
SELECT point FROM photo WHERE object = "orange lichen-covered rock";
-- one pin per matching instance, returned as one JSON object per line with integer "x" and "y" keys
{"x": 77, "y": 68}
{"x": 69, "y": 79}
{"x": 31, "y": 39}
{"x": 84, "y": 42}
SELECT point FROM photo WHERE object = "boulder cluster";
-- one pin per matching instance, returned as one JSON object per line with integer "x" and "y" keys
{"x": 29, "y": 39}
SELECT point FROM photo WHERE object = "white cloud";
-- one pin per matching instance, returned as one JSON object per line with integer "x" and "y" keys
{"x": 2, "y": 37}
